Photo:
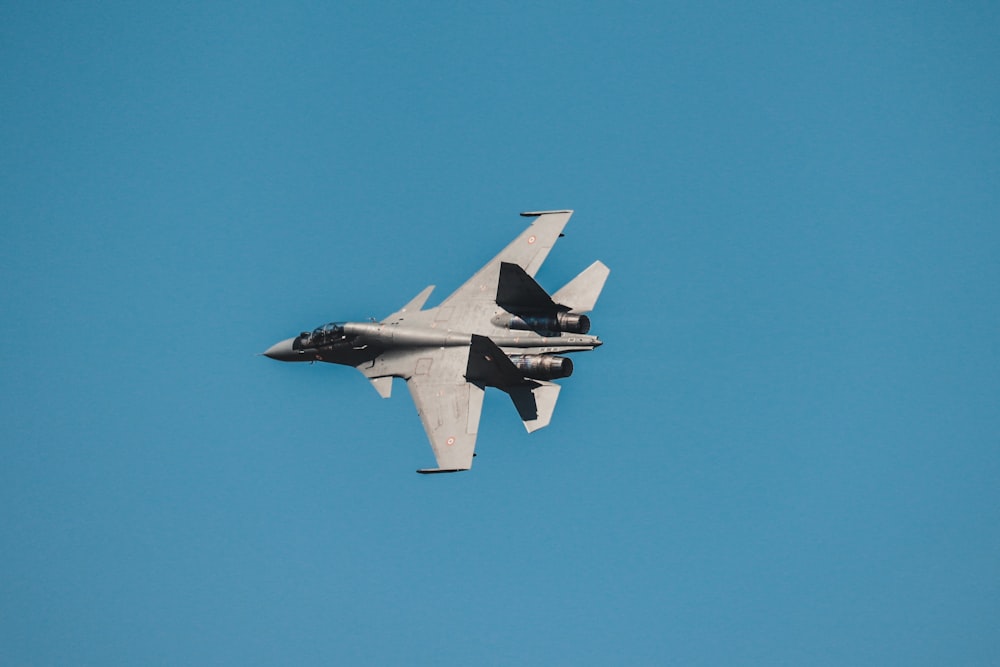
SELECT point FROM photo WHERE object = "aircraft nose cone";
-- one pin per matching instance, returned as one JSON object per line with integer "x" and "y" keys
{"x": 282, "y": 351}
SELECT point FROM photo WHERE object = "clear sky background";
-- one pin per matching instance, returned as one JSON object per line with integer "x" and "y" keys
{"x": 786, "y": 453}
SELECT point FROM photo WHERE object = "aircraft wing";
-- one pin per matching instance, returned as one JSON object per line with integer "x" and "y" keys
{"x": 470, "y": 307}
{"x": 528, "y": 251}
{"x": 448, "y": 405}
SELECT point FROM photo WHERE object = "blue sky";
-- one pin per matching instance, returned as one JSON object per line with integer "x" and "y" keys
{"x": 786, "y": 452}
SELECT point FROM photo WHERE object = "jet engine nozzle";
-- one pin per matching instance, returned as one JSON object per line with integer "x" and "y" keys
{"x": 573, "y": 322}
{"x": 542, "y": 366}
{"x": 568, "y": 322}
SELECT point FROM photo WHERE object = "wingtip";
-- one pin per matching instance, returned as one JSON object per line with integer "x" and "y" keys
{"x": 535, "y": 214}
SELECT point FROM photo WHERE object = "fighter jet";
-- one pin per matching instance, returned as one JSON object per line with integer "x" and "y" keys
{"x": 500, "y": 329}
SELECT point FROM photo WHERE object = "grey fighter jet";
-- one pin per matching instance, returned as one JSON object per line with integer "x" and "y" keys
{"x": 500, "y": 329}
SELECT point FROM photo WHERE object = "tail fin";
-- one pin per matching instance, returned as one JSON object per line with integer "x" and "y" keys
{"x": 535, "y": 403}
{"x": 581, "y": 293}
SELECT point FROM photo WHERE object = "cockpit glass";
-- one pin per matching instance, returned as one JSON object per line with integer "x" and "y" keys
{"x": 327, "y": 333}
{"x": 331, "y": 328}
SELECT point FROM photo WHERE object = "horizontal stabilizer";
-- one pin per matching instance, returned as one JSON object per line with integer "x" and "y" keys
{"x": 535, "y": 404}
{"x": 435, "y": 471}
{"x": 580, "y": 294}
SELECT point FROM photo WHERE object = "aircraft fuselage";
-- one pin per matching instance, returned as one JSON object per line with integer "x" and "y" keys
{"x": 354, "y": 342}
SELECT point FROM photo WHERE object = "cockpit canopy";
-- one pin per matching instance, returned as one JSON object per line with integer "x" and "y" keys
{"x": 330, "y": 329}
{"x": 328, "y": 334}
